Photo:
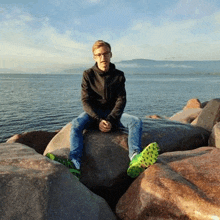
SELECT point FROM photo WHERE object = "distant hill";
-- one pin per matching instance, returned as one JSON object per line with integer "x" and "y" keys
{"x": 77, "y": 69}
{"x": 145, "y": 66}
{"x": 4, "y": 70}
{"x": 136, "y": 61}
{"x": 136, "y": 66}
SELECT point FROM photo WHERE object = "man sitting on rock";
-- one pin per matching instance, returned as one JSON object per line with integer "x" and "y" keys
{"x": 103, "y": 98}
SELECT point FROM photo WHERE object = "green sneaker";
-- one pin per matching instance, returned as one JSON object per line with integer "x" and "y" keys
{"x": 143, "y": 160}
{"x": 66, "y": 162}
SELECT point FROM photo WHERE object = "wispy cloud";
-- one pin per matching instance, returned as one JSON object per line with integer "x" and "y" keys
{"x": 186, "y": 30}
{"x": 185, "y": 9}
{"x": 21, "y": 38}
{"x": 190, "y": 39}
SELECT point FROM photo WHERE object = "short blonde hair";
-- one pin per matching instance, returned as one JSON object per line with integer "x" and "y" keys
{"x": 100, "y": 43}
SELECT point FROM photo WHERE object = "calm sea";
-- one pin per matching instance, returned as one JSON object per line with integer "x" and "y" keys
{"x": 49, "y": 101}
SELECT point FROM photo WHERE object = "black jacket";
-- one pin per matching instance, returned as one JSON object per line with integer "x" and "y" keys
{"x": 104, "y": 90}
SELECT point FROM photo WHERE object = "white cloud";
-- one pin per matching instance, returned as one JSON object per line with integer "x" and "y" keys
{"x": 192, "y": 9}
{"x": 217, "y": 17}
{"x": 29, "y": 40}
{"x": 20, "y": 38}
{"x": 192, "y": 39}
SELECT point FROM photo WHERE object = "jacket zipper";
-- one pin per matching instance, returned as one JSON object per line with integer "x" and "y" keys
{"x": 105, "y": 92}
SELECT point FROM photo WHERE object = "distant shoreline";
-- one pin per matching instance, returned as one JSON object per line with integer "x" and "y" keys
{"x": 206, "y": 66}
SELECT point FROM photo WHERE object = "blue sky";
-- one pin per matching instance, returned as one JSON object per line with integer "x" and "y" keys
{"x": 59, "y": 33}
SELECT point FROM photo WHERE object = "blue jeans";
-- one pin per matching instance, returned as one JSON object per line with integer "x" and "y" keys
{"x": 83, "y": 121}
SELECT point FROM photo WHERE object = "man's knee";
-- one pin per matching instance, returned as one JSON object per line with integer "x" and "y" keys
{"x": 136, "y": 121}
{"x": 80, "y": 122}
{"x": 133, "y": 120}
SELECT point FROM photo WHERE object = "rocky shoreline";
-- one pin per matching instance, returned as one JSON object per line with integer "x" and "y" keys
{"x": 183, "y": 184}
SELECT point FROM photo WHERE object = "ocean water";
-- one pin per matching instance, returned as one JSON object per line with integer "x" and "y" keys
{"x": 48, "y": 102}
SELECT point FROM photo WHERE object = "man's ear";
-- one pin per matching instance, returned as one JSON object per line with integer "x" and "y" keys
{"x": 110, "y": 54}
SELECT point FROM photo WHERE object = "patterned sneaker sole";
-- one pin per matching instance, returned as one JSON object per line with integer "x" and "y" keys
{"x": 66, "y": 163}
{"x": 148, "y": 157}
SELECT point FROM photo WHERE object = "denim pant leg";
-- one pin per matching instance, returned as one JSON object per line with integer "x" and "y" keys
{"x": 134, "y": 125}
{"x": 76, "y": 137}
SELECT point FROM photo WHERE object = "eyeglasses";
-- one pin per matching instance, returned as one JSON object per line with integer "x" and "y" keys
{"x": 99, "y": 55}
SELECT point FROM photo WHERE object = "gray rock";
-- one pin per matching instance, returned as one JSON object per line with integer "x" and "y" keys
{"x": 60, "y": 143}
{"x": 173, "y": 136}
{"x": 105, "y": 161}
{"x": 34, "y": 187}
{"x": 209, "y": 116}
{"x": 105, "y": 158}
{"x": 214, "y": 139}
{"x": 186, "y": 116}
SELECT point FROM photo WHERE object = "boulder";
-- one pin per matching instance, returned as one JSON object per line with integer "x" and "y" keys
{"x": 203, "y": 104}
{"x": 105, "y": 157}
{"x": 34, "y": 187}
{"x": 214, "y": 139}
{"x": 186, "y": 116}
{"x": 209, "y": 116}
{"x": 60, "y": 143}
{"x": 38, "y": 140}
{"x": 181, "y": 185}
{"x": 193, "y": 103}
{"x": 173, "y": 136}
{"x": 104, "y": 163}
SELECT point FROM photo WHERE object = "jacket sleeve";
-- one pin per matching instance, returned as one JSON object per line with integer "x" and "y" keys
{"x": 120, "y": 103}
{"x": 86, "y": 98}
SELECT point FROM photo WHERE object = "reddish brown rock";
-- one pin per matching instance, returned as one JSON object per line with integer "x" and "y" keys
{"x": 38, "y": 140}
{"x": 186, "y": 116}
{"x": 193, "y": 103}
{"x": 214, "y": 139}
{"x": 34, "y": 187}
{"x": 209, "y": 116}
{"x": 181, "y": 185}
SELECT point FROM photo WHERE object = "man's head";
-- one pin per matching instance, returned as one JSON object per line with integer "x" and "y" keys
{"x": 102, "y": 54}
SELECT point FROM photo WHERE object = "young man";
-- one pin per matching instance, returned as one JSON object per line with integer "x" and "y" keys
{"x": 104, "y": 98}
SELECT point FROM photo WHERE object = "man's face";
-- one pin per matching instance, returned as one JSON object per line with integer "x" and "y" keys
{"x": 102, "y": 56}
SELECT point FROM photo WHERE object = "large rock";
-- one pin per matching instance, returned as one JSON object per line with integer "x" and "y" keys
{"x": 181, "y": 185}
{"x": 209, "y": 116}
{"x": 34, "y": 187}
{"x": 173, "y": 136}
{"x": 60, "y": 143}
{"x": 186, "y": 116}
{"x": 37, "y": 140}
{"x": 214, "y": 139}
{"x": 105, "y": 159}
{"x": 193, "y": 103}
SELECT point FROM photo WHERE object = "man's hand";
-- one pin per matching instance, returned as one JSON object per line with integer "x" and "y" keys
{"x": 105, "y": 126}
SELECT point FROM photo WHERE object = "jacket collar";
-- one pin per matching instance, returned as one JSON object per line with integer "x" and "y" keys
{"x": 102, "y": 73}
